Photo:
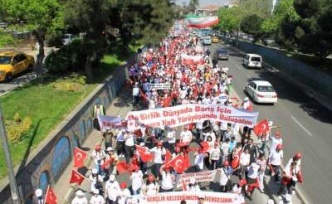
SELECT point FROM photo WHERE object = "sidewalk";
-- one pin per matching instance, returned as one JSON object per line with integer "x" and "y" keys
{"x": 65, "y": 191}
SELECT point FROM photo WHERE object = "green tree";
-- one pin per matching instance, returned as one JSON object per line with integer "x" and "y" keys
{"x": 252, "y": 25}
{"x": 229, "y": 21}
{"x": 90, "y": 17}
{"x": 42, "y": 17}
{"x": 193, "y": 4}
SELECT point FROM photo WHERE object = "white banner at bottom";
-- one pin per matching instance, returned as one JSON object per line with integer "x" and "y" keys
{"x": 189, "y": 196}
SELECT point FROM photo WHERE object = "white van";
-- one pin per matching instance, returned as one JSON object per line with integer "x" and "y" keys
{"x": 207, "y": 40}
{"x": 253, "y": 61}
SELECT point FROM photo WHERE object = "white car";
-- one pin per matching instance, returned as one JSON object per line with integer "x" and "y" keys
{"x": 253, "y": 61}
{"x": 207, "y": 40}
{"x": 261, "y": 91}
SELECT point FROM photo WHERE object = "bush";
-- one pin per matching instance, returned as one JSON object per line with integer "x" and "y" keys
{"x": 6, "y": 39}
{"x": 67, "y": 59}
{"x": 17, "y": 131}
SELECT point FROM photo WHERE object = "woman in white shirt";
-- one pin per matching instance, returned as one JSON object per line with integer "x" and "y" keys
{"x": 159, "y": 154}
{"x": 129, "y": 145}
{"x": 166, "y": 179}
{"x": 171, "y": 139}
{"x": 136, "y": 180}
{"x": 123, "y": 194}
{"x": 151, "y": 187}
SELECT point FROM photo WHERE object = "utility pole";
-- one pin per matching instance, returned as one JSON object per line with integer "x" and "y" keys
{"x": 12, "y": 180}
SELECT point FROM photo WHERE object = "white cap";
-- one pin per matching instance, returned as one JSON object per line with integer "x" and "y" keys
{"x": 94, "y": 171}
{"x": 109, "y": 149}
{"x": 39, "y": 192}
{"x": 192, "y": 180}
{"x": 270, "y": 201}
{"x": 79, "y": 193}
{"x": 95, "y": 191}
{"x": 246, "y": 99}
{"x": 112, "y": 177}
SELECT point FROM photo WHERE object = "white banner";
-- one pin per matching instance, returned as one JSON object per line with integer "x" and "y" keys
{"x": 160, "y": 86}
{"x": 189, "y": 196}
{"x": 189, "y": 113}
{"x": 107, "y": 122}
{"x": 199, "y": 177}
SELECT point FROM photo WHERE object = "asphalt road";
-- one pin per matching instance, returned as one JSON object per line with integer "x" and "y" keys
{"x": 305, "y": 125}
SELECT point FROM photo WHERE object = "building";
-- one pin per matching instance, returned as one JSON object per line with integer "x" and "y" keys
{"x": 209, "y": 10}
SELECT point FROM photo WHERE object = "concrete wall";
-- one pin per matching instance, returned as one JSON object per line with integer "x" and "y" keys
{"x": 304, "y": 73}
{"x": 55, "y": 153}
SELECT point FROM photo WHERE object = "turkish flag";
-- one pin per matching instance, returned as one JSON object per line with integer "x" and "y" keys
{"x": 79, "y": 157}
{"x": 236, "y": 161}
{"x": 262, "y": 127}
{"x": 180, "y": 163}
{"x": 50, "y": 197}
{"x": 123, "y": 167}
{"x": 144, "y": 154}
{"x": 76, "y": 177}
{"x": 205, "y": 146}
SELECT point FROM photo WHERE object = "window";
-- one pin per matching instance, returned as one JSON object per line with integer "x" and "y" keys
{"x": 5, "y": 59}
{"x": 256, "y": 59}
{"x": 265, "y": 89}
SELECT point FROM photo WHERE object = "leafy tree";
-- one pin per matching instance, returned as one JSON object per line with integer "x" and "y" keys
{"x": 90, "y": 17}
{"x": 252, "y": 25}
{"x": 229, "y": 21}
{"x": 193, "y": 4}
{"x": 42, "y": 17}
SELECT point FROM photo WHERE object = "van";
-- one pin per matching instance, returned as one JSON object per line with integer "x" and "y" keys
{"x": 253, "y": 61}
{"x": 207, "y": 40}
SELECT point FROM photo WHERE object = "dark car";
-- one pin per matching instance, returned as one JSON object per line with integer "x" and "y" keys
{"x": 221, "y": 54}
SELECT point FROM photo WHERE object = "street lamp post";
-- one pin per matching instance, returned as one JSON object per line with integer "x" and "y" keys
{"x": 12, "y": 181}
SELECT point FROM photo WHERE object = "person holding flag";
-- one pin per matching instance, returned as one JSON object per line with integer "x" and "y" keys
{"x": 151, "y": 187}
{"x": 166, "y": 179}
{"x": 159, "y": 156}
{"x": 136, "y": 180}
{"x": 297, "y": 159}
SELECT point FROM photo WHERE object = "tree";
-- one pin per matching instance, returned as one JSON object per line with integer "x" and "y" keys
{"x": 193, "y": 4}
{"x": 42, "y": 17}
{"x": 229, "y": 21}
{"x": 252, "y": 25}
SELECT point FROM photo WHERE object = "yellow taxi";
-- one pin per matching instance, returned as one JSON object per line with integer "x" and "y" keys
{"x": 215, "y": 39}
{"x": 13, "y": 63}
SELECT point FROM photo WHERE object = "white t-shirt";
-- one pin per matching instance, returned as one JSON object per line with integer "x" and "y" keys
{"x": 152, "y": 189}
{"x": 199, "y": 161}
{"x": 186, "y": 136}
{"x": 129, "y": 140}
{"x": 275, "y": 142}
{"x": 135, "y": 91}
{"x": 112, "y": 189}
{"x": 137, "y": 180}
{"x": 171, "y": 137}
{"x": 225, "y": 148}
{"x": 77, "y": 200}
{"x": 158, "y": 152}
{"x": 275, "y": 157}
{"x": 167, "y": 181}
{"x": 215, "y": 153}
{"x": 209, "y": 134}
{"x": 124, "y": 194}
{"x": 98, "y": 199}
{"x": 244, "y": 158}
{"x": 253, "y": 170}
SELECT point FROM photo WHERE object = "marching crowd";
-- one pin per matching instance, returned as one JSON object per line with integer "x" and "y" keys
{"x": 228, "y": 148}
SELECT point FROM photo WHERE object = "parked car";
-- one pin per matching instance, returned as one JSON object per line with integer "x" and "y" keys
{"x": 215, "y": 39}
{"x": 261, "y": 91}
{"x": 13, "y": 63}
{"x": 221, "y": 54}
{"x": 253, "y": 61}
{"x": 207, "y": 40}
{"x": 67, "y": 39}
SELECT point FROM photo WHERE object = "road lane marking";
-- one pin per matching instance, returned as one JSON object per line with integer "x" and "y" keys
{"x": 301, "y": 126}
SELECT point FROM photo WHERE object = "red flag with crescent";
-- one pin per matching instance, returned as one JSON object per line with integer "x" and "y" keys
{"x": 144, "y": 154}
{"x": 123, "y": 167}
{"x": 76, "y": 177}
{"x": 180, "y": 163}
{"x": 79, "y": 157}
{"x": 50, "y": 197}
{"x": 262, "y": 127}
